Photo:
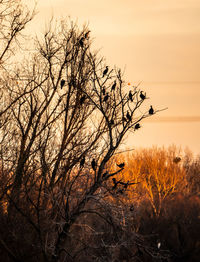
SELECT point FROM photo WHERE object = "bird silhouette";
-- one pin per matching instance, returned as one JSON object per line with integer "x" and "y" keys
{"x": 113, "y": 86}
{"x": 105, "y": 71}
{"x": 93, "y": 164}
{"x": 62, "y": 83}
{"x": 177, "y": 159}
{"x": 128, "y": 116}
{"x": 106, "y": 97}
{"x": 121, "y": 165}
{"x": 142, "y": 96}
{"x": 137, "y": 126}
{"x": 81, "y": 41}
{"x": 82, "y": 99}
{"x": 112, "y": 122}
{"x": 124, "y": 119}
{"x": 115, "y": 183}
{"x": 82, "y": 162}
{"x": 87, "y": 34}
{"x": 151, "y": 110}
{"x": 103, "y": 91}
{"x": 130, "y": 96}
{"x": 114, "y": 180}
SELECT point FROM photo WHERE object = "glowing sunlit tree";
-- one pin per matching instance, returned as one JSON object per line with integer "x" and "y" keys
{"x": 160, "y": 173}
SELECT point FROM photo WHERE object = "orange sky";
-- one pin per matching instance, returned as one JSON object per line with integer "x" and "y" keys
{"x": 158, "y": 42}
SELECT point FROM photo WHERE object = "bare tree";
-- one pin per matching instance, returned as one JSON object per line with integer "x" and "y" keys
{"x": 14, "y": 16}
{"x": 65, "y": 115}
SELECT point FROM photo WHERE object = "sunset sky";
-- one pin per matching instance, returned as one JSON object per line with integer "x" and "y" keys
{"x": 158, "y": 44}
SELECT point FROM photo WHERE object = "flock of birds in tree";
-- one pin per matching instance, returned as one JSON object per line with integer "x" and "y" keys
{"x": 106, "y": 96}
{"x": 130, "y": 95}
{"x": 128, "y": 117}
{"x": 105, "y": 99}
{"x": 121, "y": 166}
{"x": 106, "y": 174}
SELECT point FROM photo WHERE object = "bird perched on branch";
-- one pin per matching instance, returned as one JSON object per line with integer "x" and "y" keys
{"x": 87, "y": 34}
{"x": 113, "y": 86}
{"x": 82, "y": 99}
{"x": 103, "y": 91}
{"x": 112, "y": 122}
{"x": 137, "y": 126}
{"x": 121, "y": 165}
{"x": 93, "y": 164}
{"x": 62, "y": 83}
{"x": 130, "y": 96}
{"x": 128, "y": 116}
{"x": 151, "y": 110}
{"x": 105, "y": 71}
{"x": 177, "y": 159}
{"x": 82, "y": 162}
{"x": 81, "y": 41}
{"x": 142, "y": 96}
{"x": 123, "y": 119}
{"x": 115, "y": 182}
{"x": 106, "y": 97}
